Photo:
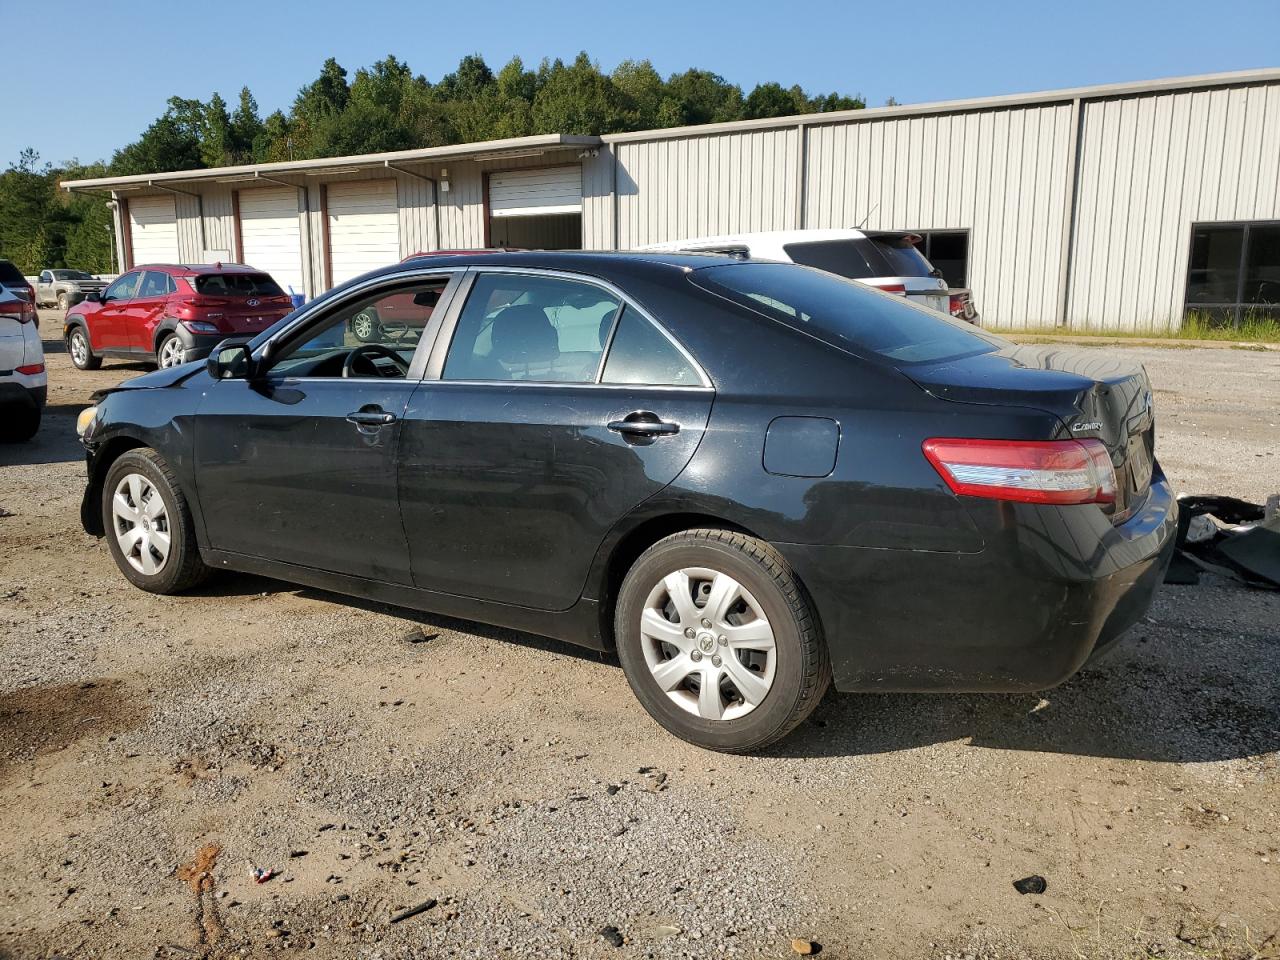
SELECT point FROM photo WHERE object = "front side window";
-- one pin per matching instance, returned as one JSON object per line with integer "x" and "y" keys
{"x": 371, "y": 336}
{"x": 641, "y": 354}
{"x": 529, "y": 327}
{"x": 123, "y": 289}
{"x": 844, "y": 313}
{"x": 45, "y": 276}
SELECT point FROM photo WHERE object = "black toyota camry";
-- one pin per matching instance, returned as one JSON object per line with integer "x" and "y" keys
{"x": 752, "y": 480}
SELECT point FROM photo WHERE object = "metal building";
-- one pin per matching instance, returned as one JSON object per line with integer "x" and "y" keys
{"x": 1115, "y": 207}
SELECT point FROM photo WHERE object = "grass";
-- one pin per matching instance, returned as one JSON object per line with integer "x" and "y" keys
{"x": 1195, "y": 326}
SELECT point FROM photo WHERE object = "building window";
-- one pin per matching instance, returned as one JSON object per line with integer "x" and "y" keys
{"x": 1234, "y": 273}
{"x": 948, "y": 251}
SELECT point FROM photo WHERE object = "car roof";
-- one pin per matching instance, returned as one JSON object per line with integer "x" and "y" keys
{"x": 196, "y": 269}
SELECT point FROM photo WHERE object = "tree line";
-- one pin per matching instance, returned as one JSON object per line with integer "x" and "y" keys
{"x": 383, "y": 107}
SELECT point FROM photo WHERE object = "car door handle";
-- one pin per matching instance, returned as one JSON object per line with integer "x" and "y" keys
{"x": 643, "y": 424}
{"x": 371, "y": 418}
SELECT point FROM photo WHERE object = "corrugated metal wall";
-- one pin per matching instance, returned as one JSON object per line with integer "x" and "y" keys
{"x": 699, "y": 185}
{"x": 1002, "y": 175}
{"x": 1150, "y": 167}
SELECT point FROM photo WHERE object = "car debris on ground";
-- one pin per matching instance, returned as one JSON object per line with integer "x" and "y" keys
{"x": 1227, "y": 536}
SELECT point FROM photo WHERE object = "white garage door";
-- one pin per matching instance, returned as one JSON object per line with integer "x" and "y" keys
{"x": 529, "y": 193}
{"x": 153, "y": 230}
{"x": 364, "y": 227}
{"x": 271, "y": 236}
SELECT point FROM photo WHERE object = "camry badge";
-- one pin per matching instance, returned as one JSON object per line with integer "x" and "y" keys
{"x": 1091, "y": 425}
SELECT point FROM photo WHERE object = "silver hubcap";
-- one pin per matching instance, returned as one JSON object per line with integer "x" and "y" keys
{"x": 141, "y": 524}
{"x": 708, "y": 643}
{"x": 170, "y": 353}
{"x": 79, "y": 349}
{"x": 362, "y": 326}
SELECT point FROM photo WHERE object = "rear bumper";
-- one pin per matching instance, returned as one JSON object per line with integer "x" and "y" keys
{"x": 197, "y": 346}
{"x": 22, "y": 397}
{"x": 1052, "y": 586}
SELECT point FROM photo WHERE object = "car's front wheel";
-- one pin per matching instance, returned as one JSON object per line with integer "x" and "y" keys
{"x": 81, "y": 353}
{"x": 170, "y": 352}
{"x": 148, "y": 524}
{"x": 718, "y": 640}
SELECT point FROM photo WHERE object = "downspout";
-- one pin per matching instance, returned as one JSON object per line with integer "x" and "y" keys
{"x": 435, "y": 194}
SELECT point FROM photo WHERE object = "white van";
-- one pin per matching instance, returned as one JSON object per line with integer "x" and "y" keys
{"x": 884, "y": 259}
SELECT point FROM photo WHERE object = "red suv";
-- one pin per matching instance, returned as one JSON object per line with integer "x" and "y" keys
{"x": 172, "y": 314}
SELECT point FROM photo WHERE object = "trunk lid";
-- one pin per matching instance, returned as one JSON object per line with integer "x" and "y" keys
{"x": 1093, "y": 394}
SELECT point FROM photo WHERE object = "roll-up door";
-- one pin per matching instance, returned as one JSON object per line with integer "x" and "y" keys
{"x": 270, "y": 235}
{"x": 153, "y": 230}
{"x": 532, "y": 193}
{"x": 364, "y": 227}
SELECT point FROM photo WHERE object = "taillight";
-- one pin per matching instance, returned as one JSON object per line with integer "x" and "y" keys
{"x": 21, "y": 310}
{"x": 1030, "y": 471}
{"x": 197, "y": 308}
{"x": 890, "y": 287}
{"x": 31, "y": 369}
{"x": 956, "y": 305}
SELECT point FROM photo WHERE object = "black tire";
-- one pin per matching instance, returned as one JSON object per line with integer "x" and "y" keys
{"x": 89, "y": 361}
{"x": 365, "y": 326}
{"x": 21, "y": 425}
{"x": 64, "y": 304}
{"x": 182, "y": 569}
{"x": 802, "y": 672}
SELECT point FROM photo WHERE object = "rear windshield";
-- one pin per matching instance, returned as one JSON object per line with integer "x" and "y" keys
{"x": 845, "y": 314}
{"x": 237, "y": 284}
{"x": 9, "y": 274}
{"x": 859, "y": 258}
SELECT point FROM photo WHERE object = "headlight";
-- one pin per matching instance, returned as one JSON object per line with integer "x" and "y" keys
{"x": 85, "y": 420}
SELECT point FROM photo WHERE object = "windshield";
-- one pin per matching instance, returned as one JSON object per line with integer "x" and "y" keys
{"x": 861, "y": 258}
{"x": 845, "y": 314}
{"x": 71, "y": 275}
{"x": 236, "y": 284}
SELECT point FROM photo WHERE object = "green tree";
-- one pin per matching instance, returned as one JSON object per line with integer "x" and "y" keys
{"x": 246, "y": 128}
{"x": 700, "y": 96}
{"x": 577, "y": 99}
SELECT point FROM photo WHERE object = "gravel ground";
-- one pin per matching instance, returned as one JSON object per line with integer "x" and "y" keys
{"x": 153, "y": 751}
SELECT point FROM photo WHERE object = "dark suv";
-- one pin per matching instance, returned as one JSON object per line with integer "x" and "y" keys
{"x": 172, "y": 313}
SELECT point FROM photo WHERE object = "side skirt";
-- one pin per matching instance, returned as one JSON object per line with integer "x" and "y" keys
{"x": 579, "y": 625}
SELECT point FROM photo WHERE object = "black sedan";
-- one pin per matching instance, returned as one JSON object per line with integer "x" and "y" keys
{"x": 751, "y": 480}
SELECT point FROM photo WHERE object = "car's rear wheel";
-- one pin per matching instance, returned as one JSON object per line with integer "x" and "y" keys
{"x": 365, "y": 326}
{"x": 718, "y": 640}
{"x": 63, "y": 302}
{"x": 148, "y": 524}
{"x": 81, "y": 353}
{"x": 170, "y": 352}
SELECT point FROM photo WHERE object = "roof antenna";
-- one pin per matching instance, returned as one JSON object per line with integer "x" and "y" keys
{"x": 868, "y": 216}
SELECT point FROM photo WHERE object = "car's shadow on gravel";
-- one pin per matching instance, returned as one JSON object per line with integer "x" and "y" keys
{"x": 429, "y": 624}
{"x": 1196, "y": 685}
{"x": 54, "y": 442}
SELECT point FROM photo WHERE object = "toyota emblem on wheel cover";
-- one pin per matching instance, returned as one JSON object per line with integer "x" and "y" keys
{"x": 252, "y": 302}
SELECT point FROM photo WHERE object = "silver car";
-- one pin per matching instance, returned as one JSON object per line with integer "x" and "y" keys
{"x": 65, "y": 288}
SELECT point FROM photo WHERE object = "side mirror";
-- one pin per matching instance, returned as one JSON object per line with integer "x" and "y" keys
{"x": 94, "y": 297}
{"x": 231, "y": 360}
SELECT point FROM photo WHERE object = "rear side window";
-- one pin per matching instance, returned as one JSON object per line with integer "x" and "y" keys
{"x": 154, "y": 285}
{"x": 531, "y": 327}
{"x": 845, "y": 314}
{"x": 859, "y": 258}
{"x": 236, "y": 284}
{"x": 641, "y": 353}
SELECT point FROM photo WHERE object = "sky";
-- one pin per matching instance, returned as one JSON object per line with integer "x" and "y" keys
{"x": 103, "y": 78}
